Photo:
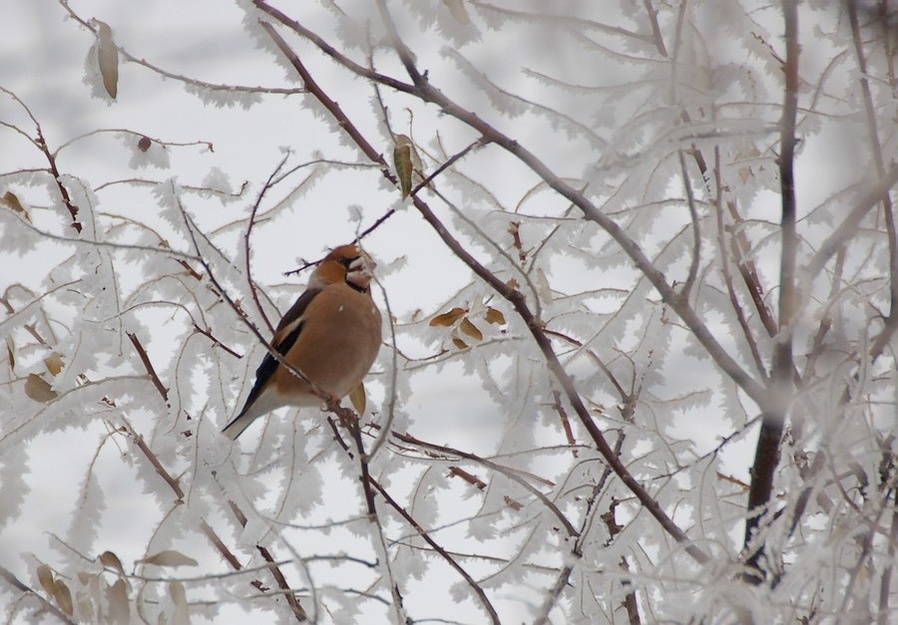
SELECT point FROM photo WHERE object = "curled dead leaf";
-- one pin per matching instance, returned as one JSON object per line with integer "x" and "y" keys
{"x": 168, "y": 557}
{"x": 38, "y": 389}
{"x": 460, "y": 344}
{"x": 402, "y": 160}
{"x": 358, "y": 399}
{"x": 45, "y": 578}
{"x": 448, "y": 318}
{"x": 144, "y": 144}
{"x": 119, "y": 610}
{"x": 111, "y": 561}
{"x": 10, "y": 353}
{"x": 12, "y": 201}
{"x": 494, "y": 316}
{"x": 107, "y": 57}
{"x": 470, "y": 329}
{"x": 54, "y": 363}
{"x": 458, "y": 11}
{"x": 513, "y": 503}
{"x": 63, "y": 597}
{"x": 178, "y": 594}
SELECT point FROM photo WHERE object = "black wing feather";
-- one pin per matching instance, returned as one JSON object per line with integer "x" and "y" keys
{"x": 270, "y": 363}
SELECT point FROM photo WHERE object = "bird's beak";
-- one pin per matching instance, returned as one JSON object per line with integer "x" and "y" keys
{"x": 361, "y": 271}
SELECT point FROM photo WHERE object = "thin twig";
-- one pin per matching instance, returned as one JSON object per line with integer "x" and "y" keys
{"x": 246, "y": 247}
{"x": 148, "y": 365}
{"x": 481, "y": 595}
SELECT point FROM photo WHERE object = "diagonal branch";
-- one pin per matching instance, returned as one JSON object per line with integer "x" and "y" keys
{"x": 428, "y": 93}
{"x": 484, "y": 600}
{"x": 517, "y": 299}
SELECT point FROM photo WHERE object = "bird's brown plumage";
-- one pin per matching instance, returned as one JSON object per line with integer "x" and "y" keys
{"x": 331, "y": 334}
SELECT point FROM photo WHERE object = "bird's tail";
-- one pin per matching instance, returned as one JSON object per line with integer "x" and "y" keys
{"x": 235, "y": 428}
{"x": 255, "y": 407}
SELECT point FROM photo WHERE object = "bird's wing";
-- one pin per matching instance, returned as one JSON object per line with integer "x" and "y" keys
{"x": 284, "y": 338}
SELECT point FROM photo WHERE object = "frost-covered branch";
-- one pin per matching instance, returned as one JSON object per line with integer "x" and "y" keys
{"x": 767, "y": 453}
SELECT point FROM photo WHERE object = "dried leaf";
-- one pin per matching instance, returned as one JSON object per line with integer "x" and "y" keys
{"x": 458, "y": 10}
{"x": 63, "y": 597}
{"x": 144, "y": 144}
{"x": 38, "y": 389}
{"x": 11, "y": 353}
{"x": 448, "y": 318}
{"x": 85, "y": 608}
{"x": 460, "y": 344}
{"x": 513, "y": 284}
{"x": 470, "y": 329}
{"x": 111, "y": 561}
{"x": 9, "y": 199}
{"x": 181, "y": 614}
{"x": 117, "y": 599}
{"x": 54, "y": 363}
{"x": 403, "y": 155}
{"x": 169, "y": 557}
{"x": 542, "y": 286}
{"x": 494, "y": 316}
{"x": 107, "y": 56}
{"x": 45, "y": 577}
{"x": 513, "y": 503}
{"x": 358, "y": 399}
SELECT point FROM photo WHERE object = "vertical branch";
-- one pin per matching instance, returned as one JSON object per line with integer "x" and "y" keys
{"x": 885, "y": 585}
{"x": 696, "y": 229}
{"x": 891, "y": 321}
{"x": 767, "y": 453}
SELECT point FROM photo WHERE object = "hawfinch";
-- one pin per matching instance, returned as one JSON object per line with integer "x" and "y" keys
{"x": 331, "y": 334}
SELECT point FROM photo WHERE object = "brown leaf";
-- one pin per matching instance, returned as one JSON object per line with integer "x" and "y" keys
{"x": 169, "y": 557}
{"x": 494, "y": 316}
{"x": 63, "y": 597}
{"x": 513, "y": 503}
{"x": 470, "y": 329}
{"x": 38, "y": 389}
{"x": 144, "y": 144}
{"x": 402, "y": 160}
{"x": 107, "y": 56}
{"x": 10, "y": 353}
{"x": 460, "y": 344}
{"x": 111, "y": 561}
{"x": 45, "y": 577}
{"x": 117, "y": 599}
{"x": 448, "y": 318}
{"x": 9, "y": 199}
{"x": 181, "y": 614}
{"x": 358, "y": 399}
{"x": 54, "y": 363}
{"x": 458, "y": 10}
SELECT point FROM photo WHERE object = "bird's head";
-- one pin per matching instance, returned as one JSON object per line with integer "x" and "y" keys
{"x": 346, "y": 263}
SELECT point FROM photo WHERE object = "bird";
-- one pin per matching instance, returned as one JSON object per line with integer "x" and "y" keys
{"x": 331, "y": 334}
